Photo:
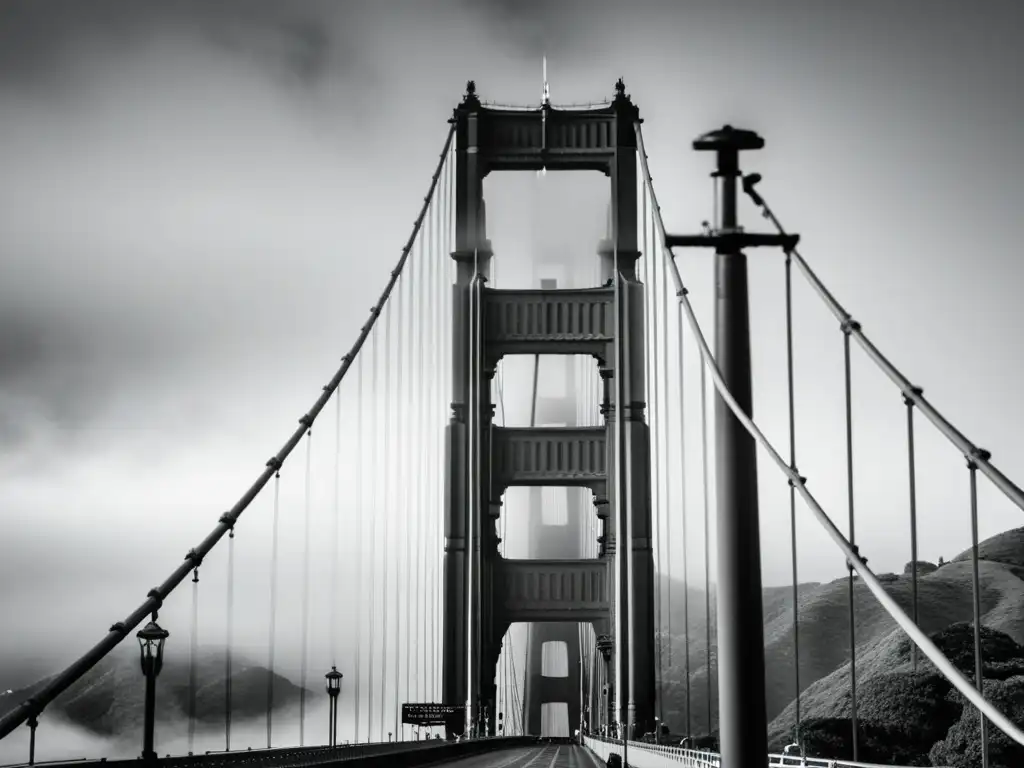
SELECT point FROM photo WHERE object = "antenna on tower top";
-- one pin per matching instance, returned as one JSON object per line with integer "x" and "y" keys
{"x": 545, "y": 100}
{"x": 545, "y": 94}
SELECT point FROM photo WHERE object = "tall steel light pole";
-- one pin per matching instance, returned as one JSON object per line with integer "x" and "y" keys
{"x": 741, "y": 677}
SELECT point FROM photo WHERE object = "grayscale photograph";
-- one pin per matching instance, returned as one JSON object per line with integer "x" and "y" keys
{"x": 511, "y": 384}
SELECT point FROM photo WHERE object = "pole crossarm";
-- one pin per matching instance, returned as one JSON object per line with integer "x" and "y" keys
{"x": 34, "y": 705}
{"x": 732, "y": 240}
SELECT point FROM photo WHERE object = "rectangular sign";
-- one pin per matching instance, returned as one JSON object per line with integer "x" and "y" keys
{"x": 433, "y": 714}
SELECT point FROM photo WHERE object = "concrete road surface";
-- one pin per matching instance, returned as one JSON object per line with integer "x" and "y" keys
{"x": 540, "y": 756}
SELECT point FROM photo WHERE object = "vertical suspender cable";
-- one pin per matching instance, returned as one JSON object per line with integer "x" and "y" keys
{"x": 437, "y": 422}
{"x": 425, "y": 396}
{"x": 388, "y": 511}
{"x": 449, "y": 331}
{"x": 273, "y": 606}
{"x": 193, "y": 661}
{"x": 478, "y": 511}
{"x": 442, "y": 406}
{"x": 360, "y": 560}
{"x": 683, "y": 508}
{"x": 442, "y": 318}
{"x": 912, "y": 474}
{"x": 335, "y": 529}
{"x": 655, "y": 430}
{"x": 230, "y": 639}
{"x": 582, "y": 655}
{"x": 853, "y": 540}
{"x": 682, "y": 477}
{"x": 375, "y": 515}
{"x": 707, "y": 494}
{"x": 979, "y": 671}
{"x": 471, "y": 419}
{"x": 707, "y": 537}
{"x": 412, "y": 460}
{"x": 424, "y": 393}
{"x": 630, "y": 612}
{"x": 620, "y": 533}
{"x": 32, "y": 723}
{"x": 402, "y": 376}
{"x": 792, "y": 491}
{"x": 668, "y": 439}
{"x": 304, "y": 662}
{"x": 533, "y": 400}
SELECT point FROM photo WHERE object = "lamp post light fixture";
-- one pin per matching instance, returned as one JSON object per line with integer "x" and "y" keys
{"x": 333, "y": 689}
{"x": 151, "y": 646}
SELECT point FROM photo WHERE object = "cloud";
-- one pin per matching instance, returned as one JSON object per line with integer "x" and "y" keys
{"x": 38, "y": 40}
{"x": 168, "y": 202}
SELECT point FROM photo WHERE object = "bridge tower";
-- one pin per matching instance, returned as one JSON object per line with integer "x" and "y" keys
{"x": 484, "y": 460}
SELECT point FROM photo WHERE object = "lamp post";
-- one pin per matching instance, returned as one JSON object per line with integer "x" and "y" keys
{"x": 151, "y": 645}
{"x": 333, "y": 689}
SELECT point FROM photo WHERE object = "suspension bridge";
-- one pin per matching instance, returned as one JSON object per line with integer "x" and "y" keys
{"x": 422, "y": 462}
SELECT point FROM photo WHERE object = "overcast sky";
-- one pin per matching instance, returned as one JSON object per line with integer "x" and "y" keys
{"x": 199, "y": 202}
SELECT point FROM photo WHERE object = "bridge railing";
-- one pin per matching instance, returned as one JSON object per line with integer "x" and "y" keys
{"x": 642, "y": 754}
{"x": 281, "y": 756}
{"x": 288, "y": 757}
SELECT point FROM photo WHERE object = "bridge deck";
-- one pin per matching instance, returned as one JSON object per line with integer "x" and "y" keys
{"x": 531, "y": 756}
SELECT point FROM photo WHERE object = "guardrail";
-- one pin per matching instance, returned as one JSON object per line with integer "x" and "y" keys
{"x": 642, "y": 754}
{"x": 400, "y": 753}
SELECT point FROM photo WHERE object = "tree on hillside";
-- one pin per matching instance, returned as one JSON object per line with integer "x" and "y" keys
{"x": 962, "y": 746}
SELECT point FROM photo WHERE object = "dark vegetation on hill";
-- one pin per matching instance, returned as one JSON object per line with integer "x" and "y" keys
{"x": 904, "y": 717}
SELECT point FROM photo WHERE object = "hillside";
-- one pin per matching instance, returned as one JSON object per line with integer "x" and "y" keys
{"x": 108, "y": 699}
{"x": 945, "y": 599}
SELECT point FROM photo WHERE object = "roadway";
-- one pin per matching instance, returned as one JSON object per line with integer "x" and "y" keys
{"x": 539, "y": 756}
